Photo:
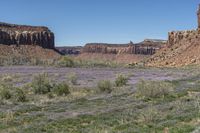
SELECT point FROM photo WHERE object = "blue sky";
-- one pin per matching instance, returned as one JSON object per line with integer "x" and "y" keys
{"x": 76, "y": 22}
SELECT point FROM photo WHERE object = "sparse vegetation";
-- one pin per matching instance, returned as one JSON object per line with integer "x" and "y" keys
{"x": 105, "y": 86}
{"x": 50, "y": 95}
{"x": 121, "y": 80}
{"x": 82, "y": 109}
{"x": 5, "y": 94}
{"x": 63, "y": 61}
{"x": 66, "y": 61}
{"x": 154, "y": 89}
{"x": 150, "y": 115}
{"x": 41, "y": 84}
{"x": 20, "y": 95}
{"x": 73, "y": 78}
{"x": 61, "y": 89}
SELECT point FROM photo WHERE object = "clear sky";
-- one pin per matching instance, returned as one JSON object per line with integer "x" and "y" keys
{"x": 76, "y": 22}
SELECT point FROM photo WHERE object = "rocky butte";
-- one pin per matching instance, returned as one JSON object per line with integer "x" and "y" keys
{"x": 147, "y": 47}
{"x": 185, "y": 37}
{"x": 12, "y": 34}
{"x": 182, "y": 48}
{"x": 23, "y": 42}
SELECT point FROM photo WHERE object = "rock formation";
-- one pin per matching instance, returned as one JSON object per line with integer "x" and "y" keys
{"x": 182, "y": 48}
{"x": 11, "y": 34}
{"x": 108, "y": 48}
{"x": 147, "y": 47}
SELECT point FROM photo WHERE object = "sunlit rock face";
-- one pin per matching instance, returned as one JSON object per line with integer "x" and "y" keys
{"x": 146, "y": 47}
{"x": 11, "y": 34}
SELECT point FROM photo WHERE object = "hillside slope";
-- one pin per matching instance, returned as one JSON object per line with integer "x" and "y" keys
{"x": 182, "y": 49}
{"x": 23, "y": 42}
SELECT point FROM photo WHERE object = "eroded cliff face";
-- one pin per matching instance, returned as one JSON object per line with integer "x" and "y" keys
{"x": 184, "y": 37}
{"x": 108, "y": 48}
{"x": 11, "y": 34}
{"x": 147, "y": 47}
{"x": 182, "y": 49}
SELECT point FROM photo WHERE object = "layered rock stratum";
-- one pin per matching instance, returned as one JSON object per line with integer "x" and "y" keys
{"x": 147, "y": 47}
{"x": 26, "y": 42}
{"x": 121, "y": 53}
{"x": 12, "y": 34}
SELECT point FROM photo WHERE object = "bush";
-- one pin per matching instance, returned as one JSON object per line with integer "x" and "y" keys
{"x": 149, "y": 115}
{"x": 7, "y": 78}
{"x": 73, "y": 78}
{"x": 6, "y": 89}
{"x": 105, "y": 86}
{"x": 20, "y": 96}
{"x": 5, "y": 94}
{"x": 62, "y": 89}
{"x": 154, "y": 89}
{"x": 41, "y": 84}
{"x": 66, "y": 62}
{"x": 50, "y": 95}
{"x": 121, "y": 80}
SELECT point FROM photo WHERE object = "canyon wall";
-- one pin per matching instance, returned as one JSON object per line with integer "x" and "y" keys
{"x": 182, "y": 49}
{"x": 11, "y": 34}
{"x": 147, "y": 47}
{"x": 108, "y": 48}
{"x": 183, "y": 38}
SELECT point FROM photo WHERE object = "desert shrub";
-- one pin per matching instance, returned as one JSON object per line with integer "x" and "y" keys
{"x": 66, "y": 62}
{"x": 20, "y": 95}
{"x": 149, "y": 115}
{"x": 7, "y": 78}
{"x": 5, "y": 94}
{"x": 41, "y": 84}
{"x": 21, "y": 60}
{"x": 121, "y": 80}
{"x": 96, "y": 63}
{"x": 6, "y": 88}
{"x": 9, "y": 117}
{"x": 50, "y": 95}
{"x": 61, "y": 89}
{"x": 105, "y": 86}
{"x": 154, "y": 89}
{"x": 73, "y": 78}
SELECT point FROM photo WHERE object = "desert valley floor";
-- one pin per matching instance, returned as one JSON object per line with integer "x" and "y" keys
{"x": 87, "y": 110}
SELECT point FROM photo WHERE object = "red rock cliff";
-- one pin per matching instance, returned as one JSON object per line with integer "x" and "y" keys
{"x": 147, "y": 47}
{"x": 11, "y": 34}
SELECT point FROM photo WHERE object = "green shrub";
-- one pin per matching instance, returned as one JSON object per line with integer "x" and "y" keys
{"x": 50, "y": 95}
{"x": 6, "y": 89}
{"x": 149, "y": 115}
{"x": 62, "y": 89}
{"x": 20, "y": 96}
{"x": 5, "y": 94}
{"x": 66, "y": 62}
{"x": 73, "y": 78}
{"x": 41, "y": 84}
{"x": 121, "y": 80}
{"x": 154, "y": 89}
{"x": 105, "y": 86}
